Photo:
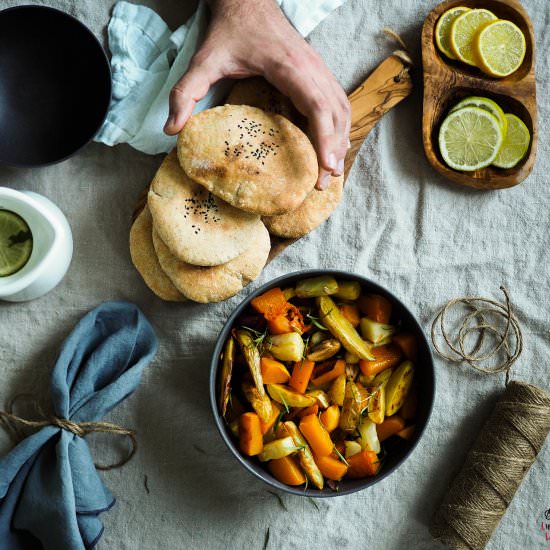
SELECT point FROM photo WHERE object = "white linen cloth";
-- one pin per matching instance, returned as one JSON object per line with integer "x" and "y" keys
{"x": 400, "y": 223}
{"x": 148, "y": 59}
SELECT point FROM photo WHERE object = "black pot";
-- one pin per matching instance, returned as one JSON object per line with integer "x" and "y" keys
{"x": 55, "y": 85}
{"x": 398, "y": 450}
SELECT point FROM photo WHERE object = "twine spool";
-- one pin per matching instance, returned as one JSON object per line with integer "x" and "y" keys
{"x": 510, "y": 440}
{"x": 505, "y": 449}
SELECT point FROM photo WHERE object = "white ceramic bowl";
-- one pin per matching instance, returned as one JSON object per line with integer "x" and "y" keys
{"x": 52, "y": 246}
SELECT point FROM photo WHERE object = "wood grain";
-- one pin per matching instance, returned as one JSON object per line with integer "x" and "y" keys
{"x": 386, "y": 86}
{"x": 446, "y": 82}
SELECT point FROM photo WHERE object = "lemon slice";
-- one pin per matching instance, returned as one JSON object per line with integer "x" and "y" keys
{"x": 470, "y": 138}
{"x": 15, "y": 243}
{"x": 484, "y": 103}
{"x": 500, "y": 48}
{"x": 443, "y": 30}
{"x": 515, "y": 144}
{"x": 464, "y": 31}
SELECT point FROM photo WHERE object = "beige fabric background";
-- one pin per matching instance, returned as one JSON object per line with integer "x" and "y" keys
{"x": 400, "y": 224}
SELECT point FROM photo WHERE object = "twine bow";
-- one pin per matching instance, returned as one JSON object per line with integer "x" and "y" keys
{"x": 12, "y": 422}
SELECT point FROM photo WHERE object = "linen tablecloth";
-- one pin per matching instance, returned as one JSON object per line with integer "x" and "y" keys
{"x": 400, "y": 224}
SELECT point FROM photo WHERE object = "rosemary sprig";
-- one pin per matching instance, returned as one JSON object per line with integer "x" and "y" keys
{"x": 341, "y": 456}
{"x": 314, "y": 503}
{"x": 315, "y": 322}
{"x": 279, "y": 499}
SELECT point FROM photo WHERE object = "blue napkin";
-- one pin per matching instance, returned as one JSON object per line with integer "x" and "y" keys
{"x": 50, "y": 490}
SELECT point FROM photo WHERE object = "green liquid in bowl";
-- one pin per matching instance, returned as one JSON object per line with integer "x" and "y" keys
{"x": 15, "y": 243}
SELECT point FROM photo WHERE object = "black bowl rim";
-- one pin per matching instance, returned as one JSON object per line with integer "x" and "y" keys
{"x": 107, "y": 63}
{"x": 315, "y": 493}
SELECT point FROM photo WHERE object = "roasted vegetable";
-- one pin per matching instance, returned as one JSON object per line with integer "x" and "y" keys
{"x": 316, "y": 435}
{"x": 381, "y": 379}
{"x": 351, "y": 411}
{"x": 375, "y": 332}
{"x": 325, "y": 350}
{"x": 250, "y": 434}
{"x": 289, "y": 293}
{"x": 277, "y": 449}
{"x": 301, "y": 373}
{"x": 321, "y": 396}
{"x": 317, "y": 337}
{"x": 270, "y": 303}
{"x": 316, "y": 286}
{"x": 407, "y": 342}
{"x": 398, "y": 387}
{"x": 351, "y": 313}
{"x": 275, "y": 411}
{"x": 406, "y": 433}
{"x": 252, "y": 357}
{"x": 389, "y": 427}
{"x": 348, "y": 290}
{"x": 313, "y": 409}
{"x": 377, "y": 404}
{"x": 342, "y": 329}
{"x": 288, "y": 320}
{"x": 363, "y": 464}
{"x": 305, "y": 455}
{"x": 327, "y": 376}
{"x": 352, "y": 371}
{"x": 337, "y": 391}
{"x": 331, "y": 467}
{"x": 288, "y": 397}
{"x": 234, "y": 427}
{"x": 352, "y": 448}
{"x": 330, "y": 418}
{"x": 376, "y": 307}
{"x": 287, "y": 347}
{"x": 228, "y": 360}
{"x": 260, "y": 403}
{"x": 385, "y": 357}
{"x": 273, "y": 372}
{"x": 286, "y": 470}
{"x": 368, "y": 436}
{"x": 351, "y": 359}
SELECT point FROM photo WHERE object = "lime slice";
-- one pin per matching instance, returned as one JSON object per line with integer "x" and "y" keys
{"x": 484, "y": 103}
{"x": 15, "y": 243}
{"x": 443, "y": 30}
{"x": 470, "y": 138}
{"x": 515, "y": 144}
{"x": 500, "y": 48}
{"x": 464, "y": 31}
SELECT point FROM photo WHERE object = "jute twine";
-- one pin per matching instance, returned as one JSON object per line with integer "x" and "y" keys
{"x": 510, "y": 440}
{"x": 13, "y": 424}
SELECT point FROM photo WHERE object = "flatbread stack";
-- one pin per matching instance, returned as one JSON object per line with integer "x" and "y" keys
{"x": 238, "y": 171}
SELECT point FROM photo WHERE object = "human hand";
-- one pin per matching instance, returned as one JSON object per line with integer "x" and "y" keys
{"x": 253, "y": 37}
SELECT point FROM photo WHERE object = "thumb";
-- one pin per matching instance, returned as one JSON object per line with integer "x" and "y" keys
{"x": 189, "y": 89}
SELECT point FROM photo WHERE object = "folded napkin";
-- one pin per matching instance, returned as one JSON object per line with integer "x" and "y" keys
{"x": 148, "y": 59}
{"x": 50, "y": 490}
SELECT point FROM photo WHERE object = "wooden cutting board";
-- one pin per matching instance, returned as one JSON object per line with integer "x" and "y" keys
{"x": 385, "y": 87}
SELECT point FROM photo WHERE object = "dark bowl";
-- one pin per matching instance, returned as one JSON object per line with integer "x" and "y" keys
{"x": 55, "y": 85}
{"x": 398, "y": 450}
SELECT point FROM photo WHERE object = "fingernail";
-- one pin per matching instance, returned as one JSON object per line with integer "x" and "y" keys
{"x": 323, "y": 182}
{"x": 170, "y": 122}
{"x": 340, "y": 168}
{"x": 332, "y": 161}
